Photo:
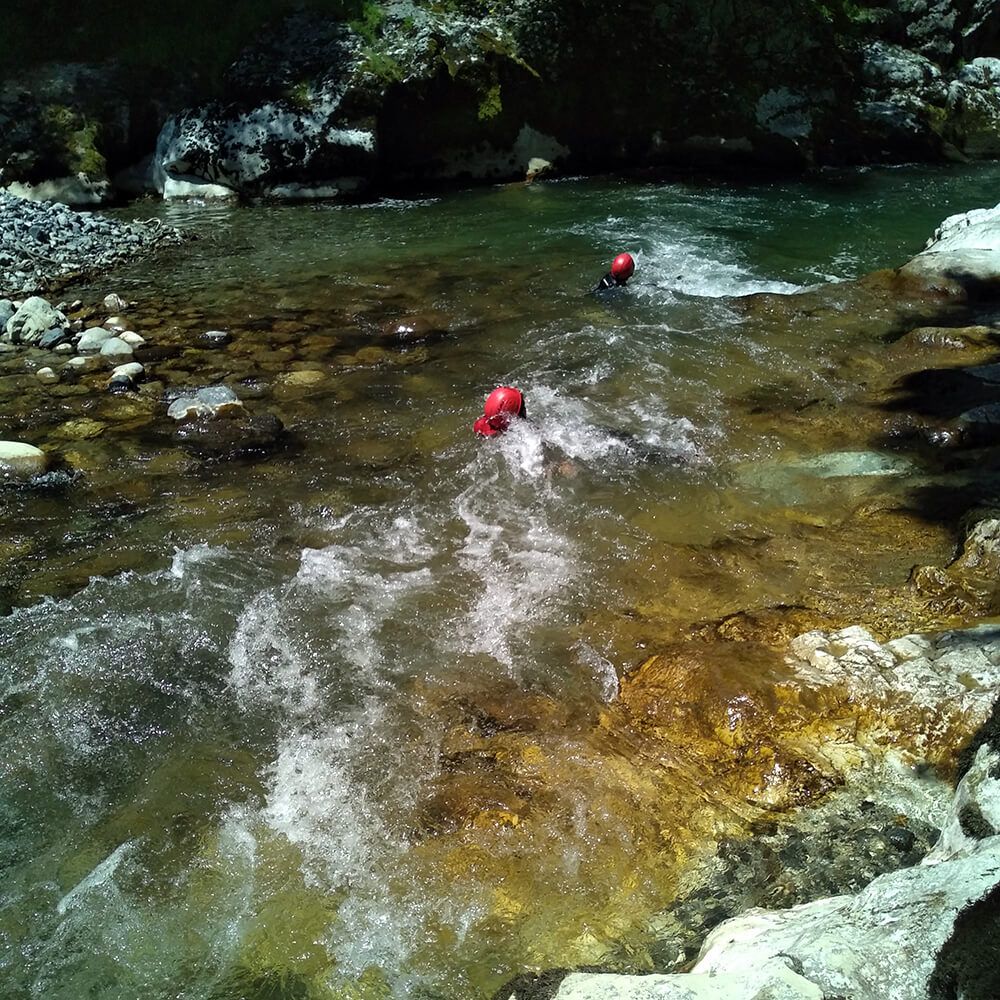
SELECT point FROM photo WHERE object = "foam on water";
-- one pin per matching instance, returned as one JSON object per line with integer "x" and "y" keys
{"x": 675, "y": 257}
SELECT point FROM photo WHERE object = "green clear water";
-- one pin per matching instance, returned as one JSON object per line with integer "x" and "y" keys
{"x": 254, "y": 763}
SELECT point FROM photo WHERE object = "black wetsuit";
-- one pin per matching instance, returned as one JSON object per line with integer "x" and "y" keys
{"x": 607, "y": 283}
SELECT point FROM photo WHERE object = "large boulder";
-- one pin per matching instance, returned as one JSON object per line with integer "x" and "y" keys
{"x": 974, "y": 108}
{"x": 34, "y": 319}
{"x": 903, "y": 100}
{"x": 58, "y": 124}
{"x": 964, "y": 250}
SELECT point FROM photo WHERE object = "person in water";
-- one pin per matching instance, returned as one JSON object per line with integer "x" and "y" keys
{"x": 502, "y": 404}
{"x": 622, "y": 268}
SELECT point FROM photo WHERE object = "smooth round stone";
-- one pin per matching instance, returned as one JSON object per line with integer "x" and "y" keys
{"x": 46, "y": 376}
{"x": 115, "y": 348}
{"x": 93, "y": 339}
{"x": 21, "y": 460}
{"x": 63, "y": 348}
{"x": 216, "y": 338}
{"x": 116, "y": 324}
{"x": 131, "y": 370}
{"x": 132, "y": 338}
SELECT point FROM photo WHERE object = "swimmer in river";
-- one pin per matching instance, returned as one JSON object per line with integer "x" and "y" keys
{"x": 502, "y": 404}
{"x": 622, "y": 268}
{"x": 505, "y": 404}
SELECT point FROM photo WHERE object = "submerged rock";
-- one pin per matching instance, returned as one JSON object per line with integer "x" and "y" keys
{"x": 928, "y": 930}
{"x": 256, "y": 434}
{"x": 207, "y": 403}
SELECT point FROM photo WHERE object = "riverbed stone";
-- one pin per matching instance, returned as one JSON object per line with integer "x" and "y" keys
{"x": 113, "y": 302}
{"x": 115, "y": 350}
{"x": 34, "y": 318}
{"x": 212, "y": 401}
{"x": 51, "y": 339}
{"x": 132, "y": 338}
{"x": 216, "y": 338}
{"x": 81, "y": 365}
{"x": 93, "y": 339}
{"x": 257, "y": 434}
{"x": 21, "y": 461}
{"x": 46, "y": 376}
{"x": 80, "y": 429}
{"x": 131, "y": 370}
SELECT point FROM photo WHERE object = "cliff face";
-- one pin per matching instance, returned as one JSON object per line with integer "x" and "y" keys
{"x": 339, "y": 96}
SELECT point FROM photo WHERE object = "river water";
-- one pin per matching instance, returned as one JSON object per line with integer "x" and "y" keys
{"x": 336, "y": 723}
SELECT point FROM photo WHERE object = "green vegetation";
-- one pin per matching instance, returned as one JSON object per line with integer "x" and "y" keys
{"x": 490, "y": 106}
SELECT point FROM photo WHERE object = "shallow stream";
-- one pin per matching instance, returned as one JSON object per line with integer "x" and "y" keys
{"x": 341, "y": 722}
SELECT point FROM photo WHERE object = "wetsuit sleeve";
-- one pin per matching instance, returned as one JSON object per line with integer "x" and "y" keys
{"x": 605, "y": 283}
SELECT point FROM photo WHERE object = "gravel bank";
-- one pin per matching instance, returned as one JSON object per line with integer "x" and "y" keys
{"x": 44, "y": 243}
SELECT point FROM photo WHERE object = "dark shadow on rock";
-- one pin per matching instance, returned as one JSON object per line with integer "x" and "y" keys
{"x": 541, "y": 986}
{"x": 941, "y": 392}
{"x": 967, "y": 965}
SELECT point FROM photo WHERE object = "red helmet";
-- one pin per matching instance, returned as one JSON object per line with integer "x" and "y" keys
{"x": 502, "y": 403}
{"x": 622, "y": 267}
{"x": 504, "y": 399}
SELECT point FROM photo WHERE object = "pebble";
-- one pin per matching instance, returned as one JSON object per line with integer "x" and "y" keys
{"x": 46, "y": 376}
{"x": 43, "y": 241}
{"x": 131, "y": 370}
{"x": 132, "y": 338}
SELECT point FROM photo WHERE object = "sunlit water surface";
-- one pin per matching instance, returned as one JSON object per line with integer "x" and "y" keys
{"x": 248, "y": 766}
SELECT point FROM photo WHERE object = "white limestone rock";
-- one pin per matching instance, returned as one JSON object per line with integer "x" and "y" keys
{"x": 965, "y": 249}
{"x": 116, "y": 351}
{"x": 80, "y": 191}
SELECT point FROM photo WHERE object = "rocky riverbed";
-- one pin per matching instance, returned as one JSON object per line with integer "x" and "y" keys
{"x": 45, "y": 244}
{"x": 821, "y": 671}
